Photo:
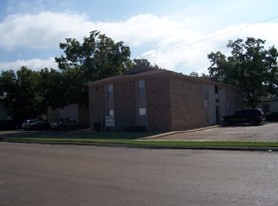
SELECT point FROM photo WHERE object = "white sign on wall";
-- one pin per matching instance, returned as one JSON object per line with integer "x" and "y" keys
{"x": 110, "y": 121}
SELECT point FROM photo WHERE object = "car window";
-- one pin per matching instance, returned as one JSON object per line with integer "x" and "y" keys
{"x": 71, "y": 120}
{"x": 246, "y": 112}
{"x": 61, "y": 121}
{"x": 257, "y": 112}
{"x": 249, "y": 112}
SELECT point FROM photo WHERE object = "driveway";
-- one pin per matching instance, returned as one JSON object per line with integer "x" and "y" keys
{"x": 265, "y": 132}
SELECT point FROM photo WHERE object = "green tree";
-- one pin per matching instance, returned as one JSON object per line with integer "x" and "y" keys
{"x": 145, "y": 62}
{"x": 194, "y": 74}
{"x": 97, "y": 57}
{"x": 23, "y": 96}
{"x": 52, "y": 87}
{"x": 7, "y": 82}
{"x": 250, "y": 67}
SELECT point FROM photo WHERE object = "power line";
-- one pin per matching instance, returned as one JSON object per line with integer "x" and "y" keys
{"x": 216, "y": 36}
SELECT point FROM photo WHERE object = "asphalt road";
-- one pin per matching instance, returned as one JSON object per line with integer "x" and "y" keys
{"x": 33, "y": 174}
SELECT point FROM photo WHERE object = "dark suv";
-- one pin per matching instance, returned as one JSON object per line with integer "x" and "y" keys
{"x": 251, "y": 116}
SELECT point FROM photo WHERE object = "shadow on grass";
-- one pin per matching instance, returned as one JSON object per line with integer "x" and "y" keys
{"x": 120, "y": 135}
{"x": 86, "y": 134}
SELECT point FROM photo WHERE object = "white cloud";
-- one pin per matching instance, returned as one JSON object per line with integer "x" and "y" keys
{"x": 47, "y": 29}
{"x": 147, "y": 28}
{"x": 35, "y": 64}
{"x": 172, "y": 42}
{"x": 187, "y": 57}
{"x": 42, "y": 30}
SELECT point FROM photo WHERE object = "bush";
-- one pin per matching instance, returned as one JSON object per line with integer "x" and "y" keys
{"x": 7, "y": 125}
{"x": 271, "y": 116}
{"x": 133, "y": 129}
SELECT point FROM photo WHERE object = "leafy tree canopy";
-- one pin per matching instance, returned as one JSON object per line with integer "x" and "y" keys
{"x": 145, "y": 62}
{"x": 22, "y": 93}
{"x": 97, "y": 57}
{"x": 250, "y": 67}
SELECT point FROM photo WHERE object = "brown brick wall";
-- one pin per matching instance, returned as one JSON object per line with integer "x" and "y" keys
{"x": 187, "y": 104}
{"x": 96, "y": 104}
{"x": 157, "y": 100}
{"x": 125, "y": 104}
{"x": 158, "y": 103}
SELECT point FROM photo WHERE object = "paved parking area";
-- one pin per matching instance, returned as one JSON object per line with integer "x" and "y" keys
{"x": 265, "y": 132}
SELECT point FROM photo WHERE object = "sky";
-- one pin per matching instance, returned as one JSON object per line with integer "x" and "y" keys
{"x": 174, "y": 34}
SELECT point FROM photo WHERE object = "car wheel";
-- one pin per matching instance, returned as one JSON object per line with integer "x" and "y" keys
{"x": 228, "y": 123}
{"x": 63, "y": 127}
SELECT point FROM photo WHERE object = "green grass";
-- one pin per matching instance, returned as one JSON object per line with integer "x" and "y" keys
{"x": 119, "y": 135}
{"x": 142, "y": 143}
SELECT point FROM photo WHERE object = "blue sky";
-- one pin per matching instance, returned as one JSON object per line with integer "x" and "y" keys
{"x": 176, "y": 35}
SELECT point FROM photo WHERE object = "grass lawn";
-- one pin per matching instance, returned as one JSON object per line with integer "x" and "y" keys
{"x": 132, "y": 140}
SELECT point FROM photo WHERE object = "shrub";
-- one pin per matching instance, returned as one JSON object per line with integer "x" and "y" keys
{"x": 271, "y": 116}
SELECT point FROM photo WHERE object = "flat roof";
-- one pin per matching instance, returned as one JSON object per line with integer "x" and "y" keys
{"x": 152, "y": 73}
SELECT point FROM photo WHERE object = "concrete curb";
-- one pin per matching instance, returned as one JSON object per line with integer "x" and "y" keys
{"x": 262, "y": 149}
{"x": 219, "y": 148}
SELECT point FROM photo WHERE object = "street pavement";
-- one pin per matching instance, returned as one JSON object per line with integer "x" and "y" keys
{"x": 65, "y": 175}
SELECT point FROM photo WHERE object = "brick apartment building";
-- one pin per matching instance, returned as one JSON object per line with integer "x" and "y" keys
{"x": 158, "y": 100}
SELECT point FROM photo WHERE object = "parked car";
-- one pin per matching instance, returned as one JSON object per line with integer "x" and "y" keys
{"x": 251, "y": 116}
{"x": 34, "y": 124}
{"x": 65, "y": 123}
{"x": 27, "y": 122}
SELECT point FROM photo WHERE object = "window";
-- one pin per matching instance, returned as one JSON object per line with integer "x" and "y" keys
{"x": 141, "y": 84}
{"x": 141, "y": 103}
{"x": 142, "y": 111}
{"x": 110, "y": 87}
{"x": 206, "y": 91}
{"x": 206, "y": 115}
{"x": 216, "y": 89}
{"x": 206, "y": 111}
{"x": 111, "y": 112}
{"x": 110, "y": 100}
